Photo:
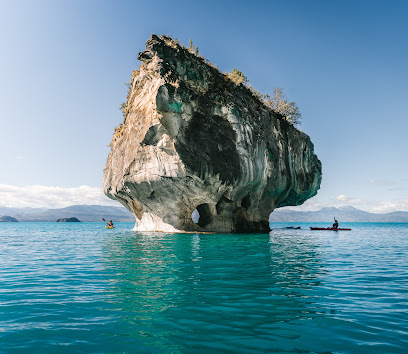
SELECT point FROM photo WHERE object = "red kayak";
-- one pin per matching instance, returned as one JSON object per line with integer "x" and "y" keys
{"x": 328, "y": 229}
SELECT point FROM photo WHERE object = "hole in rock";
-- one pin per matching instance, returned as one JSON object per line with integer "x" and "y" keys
{"x": 195, "y": 216}
{"x": 205, "y": 212}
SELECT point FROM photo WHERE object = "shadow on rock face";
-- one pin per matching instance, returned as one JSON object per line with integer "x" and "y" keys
{"x": 209, "y": 142}
{"x": 193, "y": 139}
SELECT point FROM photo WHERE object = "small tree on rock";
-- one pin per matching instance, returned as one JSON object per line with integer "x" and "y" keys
{"x": 279, "y": 103}
{"x": 237, "y": 76}
{"x": 193, "y": 49}
{"x": 123, "y": 108}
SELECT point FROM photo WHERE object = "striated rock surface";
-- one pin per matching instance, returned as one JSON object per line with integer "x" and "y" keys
{"x": 193, "y": 139}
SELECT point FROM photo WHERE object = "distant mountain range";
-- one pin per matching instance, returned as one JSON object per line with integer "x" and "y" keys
{"x": 95, "y": 213}
{"x": 343, "y": 214}
{"x": 86, "y": 213}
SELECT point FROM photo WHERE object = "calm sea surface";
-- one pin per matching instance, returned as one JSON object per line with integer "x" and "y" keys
{"x": 68, "y": 287}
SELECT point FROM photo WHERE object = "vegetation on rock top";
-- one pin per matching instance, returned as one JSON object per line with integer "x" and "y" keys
{"x": 277, "y": 102}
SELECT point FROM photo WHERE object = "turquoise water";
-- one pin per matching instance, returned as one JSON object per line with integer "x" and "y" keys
{"x": 81, "y": 288}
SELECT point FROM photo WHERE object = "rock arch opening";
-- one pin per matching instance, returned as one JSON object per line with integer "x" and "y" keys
{"x": 203, "y": 214}
{"x": 195, "y": 216}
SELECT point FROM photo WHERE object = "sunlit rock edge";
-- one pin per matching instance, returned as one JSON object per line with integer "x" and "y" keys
{"x": 193, "y": 139}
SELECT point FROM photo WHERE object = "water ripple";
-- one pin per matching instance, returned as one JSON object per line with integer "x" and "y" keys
{"x": 75, "y": 288}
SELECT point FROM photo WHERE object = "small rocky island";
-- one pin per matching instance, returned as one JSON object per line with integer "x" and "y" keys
{"x": 194, "y": 139}
{"x": 7, "y": 219}
{"x": 68, "y": 220}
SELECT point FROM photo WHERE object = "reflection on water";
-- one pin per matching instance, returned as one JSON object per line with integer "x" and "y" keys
{"x": 231, "y": 292}
{"x": 82, "y": 288}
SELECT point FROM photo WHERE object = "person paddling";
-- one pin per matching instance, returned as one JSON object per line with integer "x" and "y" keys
{"x": 335, "y": 224}
{"x": 110, "y": 223}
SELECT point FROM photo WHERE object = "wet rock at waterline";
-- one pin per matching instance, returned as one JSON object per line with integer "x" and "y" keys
{"x": 193, "y": 139}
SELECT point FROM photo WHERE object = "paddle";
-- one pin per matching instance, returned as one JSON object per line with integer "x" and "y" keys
{"x": 108, "y": 223}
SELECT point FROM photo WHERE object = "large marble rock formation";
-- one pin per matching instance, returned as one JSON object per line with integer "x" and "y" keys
{"x": 193, "y": 139}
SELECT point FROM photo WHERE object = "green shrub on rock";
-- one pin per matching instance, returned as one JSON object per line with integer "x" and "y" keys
{"x": 237, "y": 76}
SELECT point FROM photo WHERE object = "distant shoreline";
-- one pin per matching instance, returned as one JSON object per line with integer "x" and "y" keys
{"x": 95, "y": 213}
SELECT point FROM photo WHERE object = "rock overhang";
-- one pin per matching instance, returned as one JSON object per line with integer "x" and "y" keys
{"x": 193, "y": 139}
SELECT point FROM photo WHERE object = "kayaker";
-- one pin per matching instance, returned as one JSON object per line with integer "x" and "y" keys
{"x": 335, "y": 224}
{"x": 110, "y": 223}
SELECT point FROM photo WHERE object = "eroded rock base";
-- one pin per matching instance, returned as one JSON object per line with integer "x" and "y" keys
{"x": 194, "y": 139}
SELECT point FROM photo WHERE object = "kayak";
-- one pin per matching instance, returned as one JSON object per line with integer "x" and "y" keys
{"x": 109, "y": 227}
{"x": 328, "y": 229}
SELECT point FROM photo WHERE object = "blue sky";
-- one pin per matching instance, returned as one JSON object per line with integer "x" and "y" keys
{"x": 64, "y": 65}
